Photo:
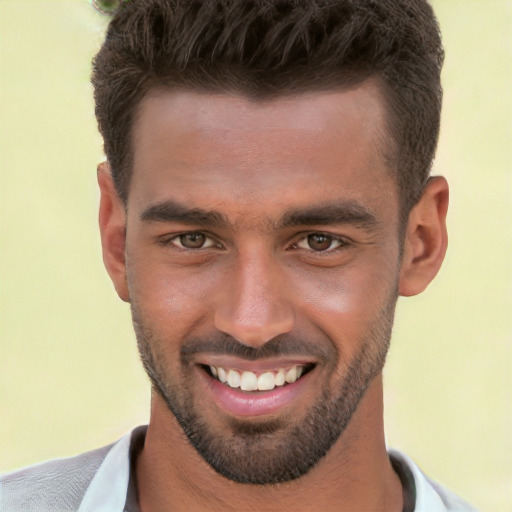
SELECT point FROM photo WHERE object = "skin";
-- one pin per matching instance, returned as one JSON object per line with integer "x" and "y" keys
{"x": 252, "y": 162}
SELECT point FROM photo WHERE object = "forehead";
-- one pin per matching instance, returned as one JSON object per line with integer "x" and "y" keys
{"x": 218, "y": 147}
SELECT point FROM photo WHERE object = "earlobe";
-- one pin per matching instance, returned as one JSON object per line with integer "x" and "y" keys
{"x": 112, "y": 222}
{"x": 425, "y": 239}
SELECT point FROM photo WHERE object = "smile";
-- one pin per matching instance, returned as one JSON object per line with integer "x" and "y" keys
{"x": 264, "y": 381}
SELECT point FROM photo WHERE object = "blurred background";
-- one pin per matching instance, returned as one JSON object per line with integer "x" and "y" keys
{"x": 70, "y": 379}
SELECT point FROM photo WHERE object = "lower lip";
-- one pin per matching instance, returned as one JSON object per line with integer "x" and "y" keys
{"x": 254, "y": 403}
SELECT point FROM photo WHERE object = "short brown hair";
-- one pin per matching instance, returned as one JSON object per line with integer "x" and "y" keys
{"x": 269, "y": 48}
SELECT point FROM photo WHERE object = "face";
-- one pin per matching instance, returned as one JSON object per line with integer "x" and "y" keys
{"x": 262, "y": 261}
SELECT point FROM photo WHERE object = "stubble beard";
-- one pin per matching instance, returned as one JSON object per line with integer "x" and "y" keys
{"x": 274, "y": 451}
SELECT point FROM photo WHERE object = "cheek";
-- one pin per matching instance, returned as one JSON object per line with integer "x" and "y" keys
{"x": 172, "y": 301}
{"x": 351, "y": 289}
{"x": 347, "y": 303}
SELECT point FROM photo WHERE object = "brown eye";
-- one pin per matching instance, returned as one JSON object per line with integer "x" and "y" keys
{"x": 192, "y": 240}
{"x": 319, "y": 242}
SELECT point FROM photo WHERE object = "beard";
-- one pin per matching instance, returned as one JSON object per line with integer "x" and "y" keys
{"x": 273, "y": 450}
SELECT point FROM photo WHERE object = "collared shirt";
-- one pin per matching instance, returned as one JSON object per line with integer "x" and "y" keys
{"x": 104, "y": 481}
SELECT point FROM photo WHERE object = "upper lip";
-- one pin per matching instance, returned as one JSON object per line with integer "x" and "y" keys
{"x": 260, "y": 365}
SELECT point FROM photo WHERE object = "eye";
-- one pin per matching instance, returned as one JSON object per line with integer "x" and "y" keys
{"x": 321, "y": 242}
{"x": 191, "y": 240}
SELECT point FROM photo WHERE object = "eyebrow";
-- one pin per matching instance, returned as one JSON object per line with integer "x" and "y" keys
{"x": 339, "y": 212}
{"x": 171, "y": 211}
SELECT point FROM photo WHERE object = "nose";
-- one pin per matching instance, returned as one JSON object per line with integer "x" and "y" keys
{"x": 253, "y": 307}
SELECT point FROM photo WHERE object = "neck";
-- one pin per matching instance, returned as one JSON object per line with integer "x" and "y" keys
{"x": 355, "y": 475}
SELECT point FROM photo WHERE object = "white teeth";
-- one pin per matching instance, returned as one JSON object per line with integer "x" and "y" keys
{"x": 266, "y": 381}
{"x": 291, "y": 375}
{"x": 279, "y": 379}
{"x": 234, "y": 379}
{"x": 222, "y": 374}
{"x": 248, "y": 382}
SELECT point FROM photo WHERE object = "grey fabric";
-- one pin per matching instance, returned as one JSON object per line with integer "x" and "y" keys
{"x": 407, "y": 481}
{"x": 137, "y": 444}
{"x": 54, "y": 486}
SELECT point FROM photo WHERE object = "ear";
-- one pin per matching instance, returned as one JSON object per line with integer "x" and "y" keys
{"x": 426, "y": 239}
{"x": 112, "y": 220}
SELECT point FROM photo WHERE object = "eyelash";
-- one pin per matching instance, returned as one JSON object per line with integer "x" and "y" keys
{"x": 342, "y": 242}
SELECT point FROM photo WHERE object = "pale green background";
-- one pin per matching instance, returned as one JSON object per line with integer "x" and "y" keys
{"x": 69, "y": 375}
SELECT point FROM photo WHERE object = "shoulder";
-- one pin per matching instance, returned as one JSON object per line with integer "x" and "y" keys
{"x": 429, "y": 496}
{"x": 56, "y": 485}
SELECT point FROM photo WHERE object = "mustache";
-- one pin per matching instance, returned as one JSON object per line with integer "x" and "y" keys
{"x": 284, "y": 344}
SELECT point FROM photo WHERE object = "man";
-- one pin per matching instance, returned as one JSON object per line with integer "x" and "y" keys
{"x": 266, "y": 198}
